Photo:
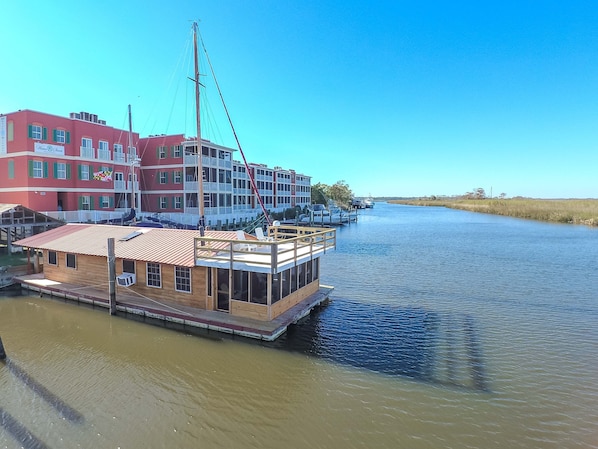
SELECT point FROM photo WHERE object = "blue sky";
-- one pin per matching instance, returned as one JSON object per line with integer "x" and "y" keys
{"x": 396, "y": 98}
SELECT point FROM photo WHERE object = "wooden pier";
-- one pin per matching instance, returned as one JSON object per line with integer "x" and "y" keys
{"x": 176, "y": 315}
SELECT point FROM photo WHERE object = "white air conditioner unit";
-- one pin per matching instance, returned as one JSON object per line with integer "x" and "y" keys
{"x": 126, "y": 279}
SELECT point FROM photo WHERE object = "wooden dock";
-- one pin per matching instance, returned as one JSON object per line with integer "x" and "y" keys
{"x": 174, "y": 315}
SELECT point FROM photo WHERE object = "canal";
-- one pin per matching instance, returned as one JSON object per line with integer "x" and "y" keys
{"x": 446, "y": 329}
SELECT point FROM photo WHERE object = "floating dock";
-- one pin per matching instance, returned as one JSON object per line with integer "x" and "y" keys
{"x": 175, "y": 315}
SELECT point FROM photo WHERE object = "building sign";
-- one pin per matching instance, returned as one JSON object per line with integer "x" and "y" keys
{"x": 3, "y": 149}
{"x": 56, "y": 150}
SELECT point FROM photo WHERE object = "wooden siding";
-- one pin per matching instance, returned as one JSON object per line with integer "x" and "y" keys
{"x": 293, "y": 299}
{"x": 249, "y": 310}
{"x": 93, "y": 271}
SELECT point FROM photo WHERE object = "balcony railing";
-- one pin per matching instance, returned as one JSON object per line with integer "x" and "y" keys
{"x": 104, "y": 154}
{"x": 286, "y": 246}
{"x": 87, "y": 152}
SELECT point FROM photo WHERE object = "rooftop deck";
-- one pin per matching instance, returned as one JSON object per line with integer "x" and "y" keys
{"x": 175, "y": 315}
{"x": 285, "y": 246}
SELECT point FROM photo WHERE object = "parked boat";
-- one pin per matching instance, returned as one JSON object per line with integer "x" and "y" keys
{"x": 333, "y": 215}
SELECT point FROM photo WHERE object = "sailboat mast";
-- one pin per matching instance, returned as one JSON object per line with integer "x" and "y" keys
{"x": 132, "y": 162}
{"x": 198, "y": 127}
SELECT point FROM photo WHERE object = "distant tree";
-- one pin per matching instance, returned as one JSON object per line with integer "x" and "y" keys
{"x": 340, "y": 193}
{"x": 502, "y": 196}
{"x": 480, "y": 193}
{"x": 318, "y": 193}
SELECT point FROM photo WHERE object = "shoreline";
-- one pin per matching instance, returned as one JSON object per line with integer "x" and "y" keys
{"x": 566, "y": 211}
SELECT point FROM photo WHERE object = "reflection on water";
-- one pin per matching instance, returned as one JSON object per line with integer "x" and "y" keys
{"x": 446, "y": 329}
{"x": 410, "y": 341}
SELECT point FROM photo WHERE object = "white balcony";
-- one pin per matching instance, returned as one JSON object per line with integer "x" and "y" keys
{"x": 130, "y": 185}
{"x": 87, "y": 152}
{"x": 191, "y": 186}
{"x": 103, "y": 155}
{"x": 119, "y": 186}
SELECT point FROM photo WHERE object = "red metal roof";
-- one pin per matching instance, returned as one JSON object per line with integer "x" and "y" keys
{"x": 158, "y": 245}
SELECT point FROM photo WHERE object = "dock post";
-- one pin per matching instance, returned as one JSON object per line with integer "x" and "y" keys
{"x": 111, "y": 276}
{"x": 2, "y": 352}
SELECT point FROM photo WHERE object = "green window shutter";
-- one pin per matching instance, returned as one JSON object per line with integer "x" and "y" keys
{"x": 79, "y": 172}
{"x": 45, "y": 169}
{"x": 53, "y": 135}
{"x": 11, "y": 169}
{"x": 68, "y": 171}
{"x": 44, "y": 133}
{"x": 30, "y": 131}
{"x": 171, "y": 151}
{"x": 111, "y": 202}
{"x": 68, "y": 137}
{"x": 55, "y": 169}
{"x": 30, "y": 168}
{"x": 80, "y": 203}
{"x": 91, "y": 203}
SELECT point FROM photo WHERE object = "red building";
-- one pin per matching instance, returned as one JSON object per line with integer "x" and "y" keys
{"x": 50, "y": 163}
{"x": 78, "y": 163}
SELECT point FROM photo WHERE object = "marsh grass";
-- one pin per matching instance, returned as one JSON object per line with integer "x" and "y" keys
{"x": 574, "y": 211}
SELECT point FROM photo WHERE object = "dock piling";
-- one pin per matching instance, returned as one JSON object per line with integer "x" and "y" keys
{"x": 111, "y": 276}
{"x": 2, "y": 351}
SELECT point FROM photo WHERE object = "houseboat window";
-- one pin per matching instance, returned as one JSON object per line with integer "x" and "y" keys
{"x": 240, "y": 285}
{"x": 286, "y": 283}
{"x": 209, "y": 281}
{"x": 259, "y": 288}
{"x": 276, "y": 287}
{"x": 71, "y": 260}
{"x": 301, "y": 274}
{"x": 293, "y": 279}
{"x": 223, "y": 294}
{"x": 128, "y": 266}
{"x": 182, "y": 279}
{"x": 154, "y": 276}
{"x": 316, "y": 269}
{"x": 52, "y": 259}
{"x": 308, "y": 271}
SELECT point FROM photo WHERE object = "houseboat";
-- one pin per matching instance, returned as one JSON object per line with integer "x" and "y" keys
{"x": 228, "y": 281}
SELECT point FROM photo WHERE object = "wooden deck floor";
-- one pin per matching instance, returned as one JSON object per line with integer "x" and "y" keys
{"x": 137, "y": 307}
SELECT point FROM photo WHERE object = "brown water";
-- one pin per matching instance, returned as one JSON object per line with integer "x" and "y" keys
{"x": 436, "y": 357}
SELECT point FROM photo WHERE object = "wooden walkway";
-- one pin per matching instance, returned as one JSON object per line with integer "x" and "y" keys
{"x": 181, "y": 317}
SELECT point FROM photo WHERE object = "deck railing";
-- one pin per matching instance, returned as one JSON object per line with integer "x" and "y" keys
{"x": 284, "y": 245}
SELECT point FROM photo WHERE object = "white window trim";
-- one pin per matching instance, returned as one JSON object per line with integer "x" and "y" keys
{"x": 147, "y": 275}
